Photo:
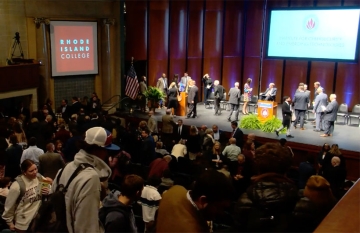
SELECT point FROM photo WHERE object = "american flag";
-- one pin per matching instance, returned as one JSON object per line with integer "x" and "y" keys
{"x": 132, "y": 84}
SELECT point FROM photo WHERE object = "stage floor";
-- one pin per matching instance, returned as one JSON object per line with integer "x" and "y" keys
{"x": 347, "y": 137}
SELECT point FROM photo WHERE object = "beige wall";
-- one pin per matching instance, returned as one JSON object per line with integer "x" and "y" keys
{"x": 18, "y": 15}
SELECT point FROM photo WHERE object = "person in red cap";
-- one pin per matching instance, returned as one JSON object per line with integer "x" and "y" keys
{"x": 83, "y": 194}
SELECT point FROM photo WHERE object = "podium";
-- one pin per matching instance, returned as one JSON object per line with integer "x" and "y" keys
{"x": 266, "y": 110}
{"x": 182, "y": 105}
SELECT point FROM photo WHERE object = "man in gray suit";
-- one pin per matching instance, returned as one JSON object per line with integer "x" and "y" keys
{"x": 234, "y": 97}
{"x": 300, "y": 101}
{"x": 269, "y": 93}
{"x": 330, "y": 113}
{"x": 50, "y": 162}
{"x": 162, "y": 84}
{"x": 185, "y": 81}
{"x": 320, "y": 100}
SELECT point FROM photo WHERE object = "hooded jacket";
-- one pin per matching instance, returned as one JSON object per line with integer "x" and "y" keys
{"x": 83, "y": 195}
{"x": 115, "y": 216}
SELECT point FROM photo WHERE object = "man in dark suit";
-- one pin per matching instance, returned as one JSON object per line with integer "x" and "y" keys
{"x": 286, "y": 113}
{"x": 317, "y": 86}
{"x": 320, "y": 100}
{"x": 192, "y": 99}
{"x": 64, "y": 109}
{"x": 219, "y": 95}
{"x": 300, "y": 101}
{"x": 207, "y": 87}
{"x": 147, "y": 147}
{"x": 234, "y": 98}
{"x": 76, "y": 105}
{"x": 185, "y": 81}
{"x": 219, "y": 135}
{"x": 269, "y": 93}
{"x": 237, "y": 134}
{"x": 24, "y": 111}
{"x": 180, "y": 131}
{"x": 330, "y": 113}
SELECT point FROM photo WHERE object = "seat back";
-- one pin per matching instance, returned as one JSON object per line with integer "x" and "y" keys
{"x": 212, "y": 96}
{"x": 343, "y": 108}
{"x": 242, "y": 98}
{"x": 356, "y": 109}
{"x": 254, "y": 99}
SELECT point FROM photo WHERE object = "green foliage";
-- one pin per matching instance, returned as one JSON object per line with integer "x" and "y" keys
{"x": 250, "y": 122}
{"x": 154, "y": 94}
{"x": 271, "y": 125}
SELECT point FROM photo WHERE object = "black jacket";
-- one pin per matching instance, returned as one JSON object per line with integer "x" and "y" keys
{"x": 267, "y": 205}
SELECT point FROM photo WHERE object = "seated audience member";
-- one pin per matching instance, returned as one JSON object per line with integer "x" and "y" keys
{"x": 166, "y": 179}
{"x": 249, "y": 149}
{"x": 159, "y": 165}
{"x": 179, "y": 150}
{"x": 270, "y": 196}
{"x": 62, "y": 134}
{"x": 306, "y": 170}
{"x": 207, "y": 144}
{"x": 117, "y": 215}
{"x": 336, "y": 175}
{"x": 335, "y": 151}
{"x": 283, "y": 142}
{"x": 224, "y": 169}
{"x": 150, "y": 198}
{"x": 160, "y": 149}
{"x": 269, "y": 93}
{"x": 252, "y": 137}
{"x": 119, "y": 166}
{"x": 311, "y": 209}
{"x": 190, "y": 210}
{"x": 4, "y": 186}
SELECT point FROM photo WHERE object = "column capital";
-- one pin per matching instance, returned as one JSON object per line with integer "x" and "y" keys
{"x": 109, "y": 21}
{"x": 39, "y": 21}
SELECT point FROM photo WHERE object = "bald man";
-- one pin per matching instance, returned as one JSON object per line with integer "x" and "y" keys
{"x": 269, "y": 93}
{"x": 231, "y": 153}
{"x": 330, "y": 113}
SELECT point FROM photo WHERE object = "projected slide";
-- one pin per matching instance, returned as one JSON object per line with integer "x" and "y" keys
{"x": 73, "y": 48}
{"x": 314, "y": 34}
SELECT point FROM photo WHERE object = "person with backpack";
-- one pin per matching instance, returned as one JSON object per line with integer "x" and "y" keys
{"x": 24, "y": 197}
{"x": 82, "y": 180}
{"x": 117, "y": 215}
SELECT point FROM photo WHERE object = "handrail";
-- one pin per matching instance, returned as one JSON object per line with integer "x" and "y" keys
{"x": 111, "y": 99}
{"x": 114, "y": 104}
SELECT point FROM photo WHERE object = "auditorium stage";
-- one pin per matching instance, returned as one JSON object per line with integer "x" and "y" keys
{"x": 347, "y": 137}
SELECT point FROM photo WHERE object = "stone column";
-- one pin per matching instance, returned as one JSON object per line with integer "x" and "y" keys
{"x": 43, "y": 57}
{"x": 106, "y": 62}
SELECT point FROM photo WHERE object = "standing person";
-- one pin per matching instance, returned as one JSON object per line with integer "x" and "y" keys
{"x": 184, "y": 82}
{"x": 234, "y": 97}
{"x": 330, "y": 113}
{"x": 152, "y": 123}
{"x": 172, "y": 98}
{"x": 147, "y": 147}
{"x": 300, "y": 101}
{"x": 193, "y": 143}
{"x": 76, "y": 105}
{"x": 50, "y": 162}
{"x": 286, "y": 112}
{"x": 20, "y": 210}
{"x": 83, "y": 195}
{"x": 33, "y": 152}
{"x": 247, "y": 96}
{"x": 192, "y": 99}
{"x": 237, "y": 134}
{"x": 320, "y": 100}
{"x": 219, "y": 95}
{"x": 13, "y": 157}
{"x": 190, "y": 210}
{"x": 317, "y": 86}
{"x": 162, "y": 84}
{"x": 208, "y": 83}
{"x": 231, "y": 152}
{"x": 167, "y": 128}
{"x": 143, "y": 89}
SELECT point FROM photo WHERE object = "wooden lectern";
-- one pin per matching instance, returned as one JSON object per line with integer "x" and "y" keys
{"x": 182, "y": 105}
{"x": 266, "y": 110}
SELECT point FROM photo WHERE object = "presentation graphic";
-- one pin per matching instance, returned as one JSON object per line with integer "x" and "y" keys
{"x": 327, "y": 34}
{"x": 73, "y": 47}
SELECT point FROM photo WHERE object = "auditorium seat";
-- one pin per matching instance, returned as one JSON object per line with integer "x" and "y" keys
{"x": 253, "y": 103}
{"x": 355, "y": 113}
{"x": 210, "y": 101}
{"x": 343, "y": 112}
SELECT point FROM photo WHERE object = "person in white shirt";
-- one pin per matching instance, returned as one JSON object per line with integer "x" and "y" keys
{"x": 179, "y": 150}
{"x": 150, "y": 199}
{"x": 32, "y": 153}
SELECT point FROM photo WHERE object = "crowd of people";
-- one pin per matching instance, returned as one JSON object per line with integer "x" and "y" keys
{"x": 147, "y": 175}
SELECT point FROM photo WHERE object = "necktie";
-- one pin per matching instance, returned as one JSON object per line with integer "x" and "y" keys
{"x": 179, "y": 130}
{"x": 233, "y": 133}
